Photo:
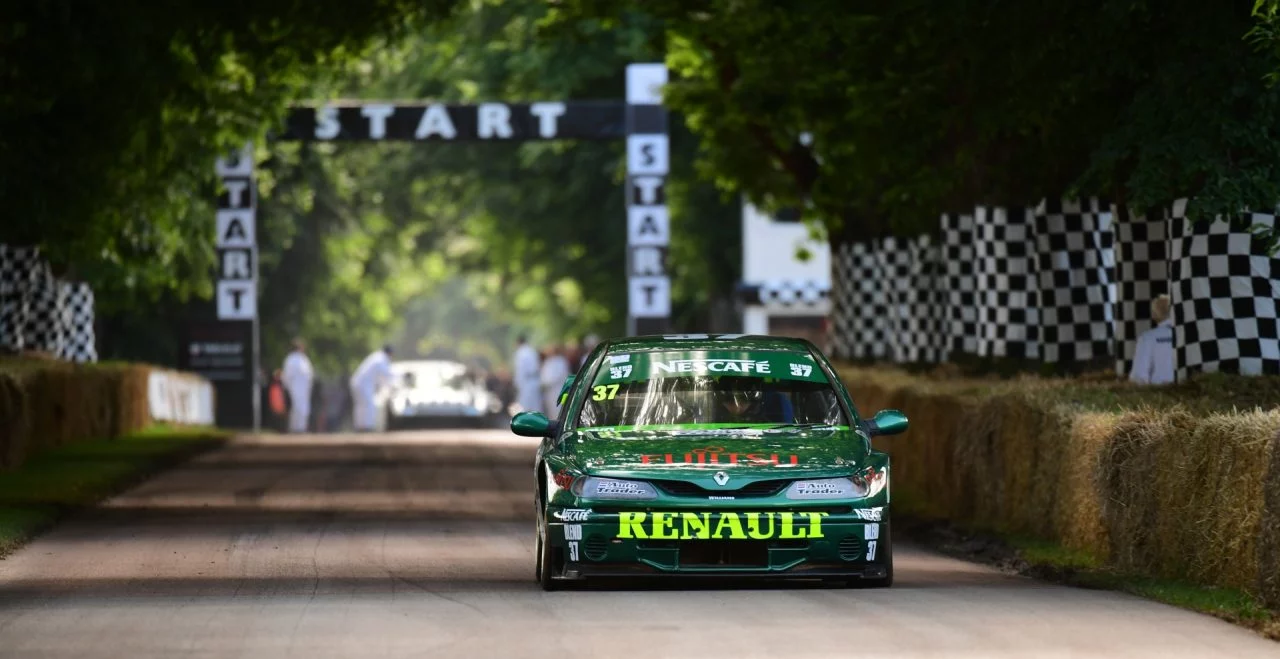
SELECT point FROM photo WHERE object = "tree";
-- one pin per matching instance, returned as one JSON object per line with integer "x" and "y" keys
{"x": 362, "y": 242}
{"x": 877, "y": 116}
{"x": 113, "y": 114}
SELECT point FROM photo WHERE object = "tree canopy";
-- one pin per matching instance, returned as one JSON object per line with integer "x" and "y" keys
{"x": 112, "y": 113}
{"x": 879, "y": 116}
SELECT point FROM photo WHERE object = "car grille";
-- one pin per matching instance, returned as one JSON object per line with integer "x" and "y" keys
{"x": 644, "y": 507}
{"x": 851, "y": 548}
{"x": 754, "y": 490}
{"x": 723, "y": 553}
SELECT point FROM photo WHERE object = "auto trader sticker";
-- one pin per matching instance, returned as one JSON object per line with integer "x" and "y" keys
{"x": 572, "y": 514}
{"x": 719, "y": 526}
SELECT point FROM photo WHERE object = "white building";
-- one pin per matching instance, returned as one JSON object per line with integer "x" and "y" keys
{"x": 782, "y": 294}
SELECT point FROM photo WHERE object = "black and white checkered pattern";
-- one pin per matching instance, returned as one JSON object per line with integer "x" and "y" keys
{"x": 79, "y": 340}
{"x": 1225, "y": 296}
{"x": 14, "y": 266}
{"x": 24, "y": 280}
{"x": 1076, "y": 254}
{"x": 893, "y": 262}
{"x": 787, "y": 293}
{"x": 960, "y": 284}
{"x": 43, "y": 329}
{"x": 40, "y": 313}
{"x": 860, "y": 303}
{"x": 1142, "y": 275}
{"x": 844, "y": 301}
{"x": 1008, "y": 317}
{"x": 917, "y": 307}
{"x": 888, "y": 301}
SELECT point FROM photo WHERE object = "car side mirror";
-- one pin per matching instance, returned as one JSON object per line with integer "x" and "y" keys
{"x": 563, "y": 396}
{"x": 531, "y": 424}
{"x": 887, "y": 422}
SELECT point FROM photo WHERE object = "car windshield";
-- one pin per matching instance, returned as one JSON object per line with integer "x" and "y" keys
{"x": 710, "y": 390}
{"x": 431, "y": 375}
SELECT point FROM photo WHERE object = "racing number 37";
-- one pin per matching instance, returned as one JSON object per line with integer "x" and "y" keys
{"x": 605, "y": 392}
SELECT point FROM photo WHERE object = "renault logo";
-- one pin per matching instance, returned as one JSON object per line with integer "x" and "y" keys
{"x": 721, "y": 478}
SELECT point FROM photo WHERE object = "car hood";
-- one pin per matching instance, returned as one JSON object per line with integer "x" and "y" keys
{"x": 745, "y": 456}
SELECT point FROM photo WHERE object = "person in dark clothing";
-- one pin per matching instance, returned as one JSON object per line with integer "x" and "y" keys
{"x": 749, "y": 400}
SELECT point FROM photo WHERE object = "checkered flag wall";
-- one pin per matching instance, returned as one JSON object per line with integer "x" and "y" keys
{"x": 1224, "y": 296}
{"x": 959, "y": 284}
{"x": 917, "y": 305}
{"x": 16, "y": 266}
{"x": 43, "y": 329}
{"x": 843, "y": 303}
{"x": 791, "y": 293}
{"x": 1142, "y": 275}
{"x": 860, "y": 303}
{"x": 40, "y": 313}
{"x": 1076, "y": 258}
{"x": 79, "y": 341}
{"x": 1008, "y": 317}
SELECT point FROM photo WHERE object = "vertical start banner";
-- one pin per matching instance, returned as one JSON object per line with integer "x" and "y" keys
{"x": 648, "y": 222}
{"x": 225, "y": 349}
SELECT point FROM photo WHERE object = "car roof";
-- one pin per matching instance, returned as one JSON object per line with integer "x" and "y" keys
{"x": 708, "y": 342}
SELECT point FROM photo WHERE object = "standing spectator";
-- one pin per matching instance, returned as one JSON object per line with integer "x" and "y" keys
{"x": 589, "y": 343}
{"x": 1153, "y": 360}
{"x": 277, "y": 403}
{"x": 554, "y": 370}
{"x": 372, "y": 374}
{"x": 298, "y": 378}
{"x": 505, "y": 389}
{"x": 526, "y": 365}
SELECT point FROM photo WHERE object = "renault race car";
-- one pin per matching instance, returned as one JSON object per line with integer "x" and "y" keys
{"x": 710, "y": 455}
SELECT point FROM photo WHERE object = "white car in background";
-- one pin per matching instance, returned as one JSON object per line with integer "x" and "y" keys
{"x": 436, "y": 391}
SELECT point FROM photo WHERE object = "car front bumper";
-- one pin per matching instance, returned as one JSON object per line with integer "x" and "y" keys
{"x": 433, "y": 411}
{"x": 609, "y": 544}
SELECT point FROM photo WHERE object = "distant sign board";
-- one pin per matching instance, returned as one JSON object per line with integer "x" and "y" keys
{"x": 222, "y": 352}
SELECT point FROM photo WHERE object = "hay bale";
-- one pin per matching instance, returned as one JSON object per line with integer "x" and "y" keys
{"x": 45, "y": 403}
{"x": 14, "y": 421}
{"x": 1269, "y": 531}
{"x": 1077, "y": 512}
{"x": 1184, "y": 494}
{"x": 1161, "y": 482}
{"x": 129, "y": 411}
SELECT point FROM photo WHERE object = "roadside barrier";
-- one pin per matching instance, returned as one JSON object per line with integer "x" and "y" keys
{"x": 47, "y": 403}
{"x": 1165, "y": 482}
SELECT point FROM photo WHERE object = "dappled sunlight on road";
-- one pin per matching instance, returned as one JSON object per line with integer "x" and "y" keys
{"x": 421, "y": 543}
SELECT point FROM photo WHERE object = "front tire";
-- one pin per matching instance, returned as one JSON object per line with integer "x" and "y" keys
{"x": 887, "y": 580}
{"x": 544, "y": 554}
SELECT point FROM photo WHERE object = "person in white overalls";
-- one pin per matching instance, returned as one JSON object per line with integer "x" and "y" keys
{"x": 1153, "y": 359}
{"x": 526, "y": 376}
{"x": 297, "y": 378}
{"x": 372, "y": 374}
{"x": 555, "y": 368}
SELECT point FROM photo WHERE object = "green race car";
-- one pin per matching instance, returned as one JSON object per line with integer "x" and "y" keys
{"x": 710, "y": 455}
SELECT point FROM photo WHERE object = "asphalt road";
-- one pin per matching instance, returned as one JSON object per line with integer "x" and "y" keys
{"x": 420, "y": 544}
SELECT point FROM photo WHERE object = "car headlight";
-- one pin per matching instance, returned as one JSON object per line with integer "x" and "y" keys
{"x": 858, "y": 486}
{"x": 613, "y": 488}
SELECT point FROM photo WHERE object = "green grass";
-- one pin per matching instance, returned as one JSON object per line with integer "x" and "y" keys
{"x": 58, "y": 481}
{"x": 1048, "y": 554}
{"x": 1078, "y": 568}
